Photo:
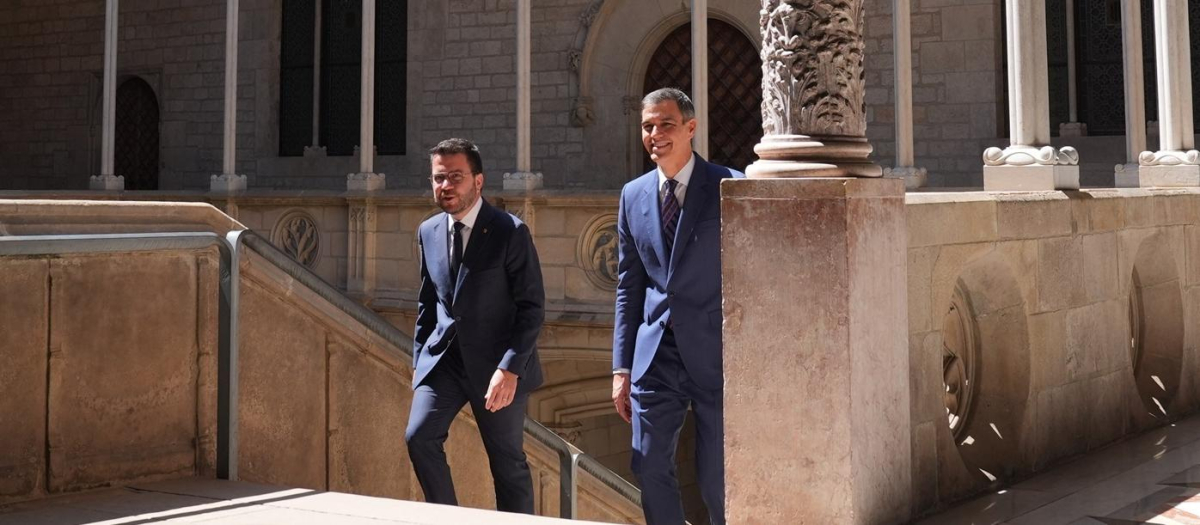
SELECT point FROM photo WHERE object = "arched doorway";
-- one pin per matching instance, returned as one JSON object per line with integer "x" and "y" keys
{"x": 734, "y": 88}
{"x": 136, "y": 146}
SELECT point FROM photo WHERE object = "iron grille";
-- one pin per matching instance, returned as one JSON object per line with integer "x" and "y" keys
{"x": 734, "y": 88}
{"x": 136, "y": 141}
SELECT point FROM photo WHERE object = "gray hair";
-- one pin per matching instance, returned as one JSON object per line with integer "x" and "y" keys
{"x": 680, "y": 98}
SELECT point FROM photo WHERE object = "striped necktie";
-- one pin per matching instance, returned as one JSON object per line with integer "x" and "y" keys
{"x": 670, "y": 214}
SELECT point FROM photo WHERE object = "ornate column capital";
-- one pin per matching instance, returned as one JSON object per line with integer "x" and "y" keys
{"x": 814, "y": 111}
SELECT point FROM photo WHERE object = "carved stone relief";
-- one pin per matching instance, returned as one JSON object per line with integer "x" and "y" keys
{"x": 959, "y": 361}
{"x": 812, "y": 56}
{"x": 597, "y": 252}
{"x": 297, "y": 234}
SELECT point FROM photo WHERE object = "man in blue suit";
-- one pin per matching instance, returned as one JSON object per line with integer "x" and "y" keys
{"x": 479, "y": 311}
{"x": 667, "y": 333}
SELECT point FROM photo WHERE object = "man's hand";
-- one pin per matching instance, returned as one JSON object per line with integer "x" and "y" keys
{"x": 501, "y": 390}
{"x": 620, "y": 396}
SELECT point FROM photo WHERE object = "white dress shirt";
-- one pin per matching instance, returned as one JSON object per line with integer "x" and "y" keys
{"x": 468, "y": 225}
{"x": 683, "y": 178}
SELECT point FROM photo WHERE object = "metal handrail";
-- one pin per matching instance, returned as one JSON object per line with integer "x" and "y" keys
{"x": 571, "y": 458}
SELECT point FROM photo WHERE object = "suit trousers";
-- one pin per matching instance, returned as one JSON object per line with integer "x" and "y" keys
{"x": 435, "y": 404}
{"x": 660, "y": 403}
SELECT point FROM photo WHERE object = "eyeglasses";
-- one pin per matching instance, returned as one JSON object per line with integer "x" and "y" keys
{"x": 455, "y": 178}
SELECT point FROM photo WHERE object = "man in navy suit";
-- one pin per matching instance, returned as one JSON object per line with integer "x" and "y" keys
{"x": 480, "y": 309}
{"x": 667, "y": 333}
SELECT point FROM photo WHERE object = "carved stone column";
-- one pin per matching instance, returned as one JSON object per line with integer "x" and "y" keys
{"x": 1072, "y": 127}
{"x": 366, "y": 179}
{"x": 1176, "y": 163}
{"x": 905, "y": 168}
{"x": 524, "y": 178}
{"x": 1029, "y": 162}
{"x": 814, "y": 114}
{"x": 229, "y": 180}
{"x": 361, "y": 249}
{"x": 107, "y": 180}
{"x": 700, "y": 74}
{"x": 817, "y": 426}
{"x": 1127, "y": 174}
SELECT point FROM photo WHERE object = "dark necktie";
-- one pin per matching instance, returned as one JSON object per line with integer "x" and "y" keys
{"x": 670, "y": 215}
{"x": 457, "y": 255}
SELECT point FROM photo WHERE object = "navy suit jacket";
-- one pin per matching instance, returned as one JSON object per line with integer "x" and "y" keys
{"x": 495, "y": 309}
{"x": 689, "y": 294}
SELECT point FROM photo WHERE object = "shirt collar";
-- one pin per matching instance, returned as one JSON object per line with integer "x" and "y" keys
{"x": 469, "y": 220}
{"x": 683, "y": 177}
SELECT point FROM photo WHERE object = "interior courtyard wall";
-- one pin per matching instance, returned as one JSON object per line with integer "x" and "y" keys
{"x": 957, "y": 76}
{"x": 51, "y": 64}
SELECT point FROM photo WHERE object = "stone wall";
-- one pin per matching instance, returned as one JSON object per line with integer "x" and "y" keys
{"x": 958, "y": 79}
{"x": 51, "y": 66}
{"x": 1048, "y": 324}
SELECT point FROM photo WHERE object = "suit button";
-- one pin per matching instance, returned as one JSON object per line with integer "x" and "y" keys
{"x": 670, "y": 294}
{"x": 458, "y": 319}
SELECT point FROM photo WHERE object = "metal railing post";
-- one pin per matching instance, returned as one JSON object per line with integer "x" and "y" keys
{"x": 227, "y": 357}
{"x": 568, "y": 465}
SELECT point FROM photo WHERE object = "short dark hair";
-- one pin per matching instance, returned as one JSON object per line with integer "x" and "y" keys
{"x": 456, "y": 146}
{"x": 677, "y": 95}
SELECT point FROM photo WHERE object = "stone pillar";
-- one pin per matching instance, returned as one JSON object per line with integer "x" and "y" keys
{"x": 366, "y": 179}
{"x": 316, "y": 149}
{"x": 1127, "y": 174}
{"x": 1176, "y": 163}
{"x": 361, "y": 249}
{"x": 700, "y": 74}
{"x": 1029, "y": 163}
{"x": 107, "y": 180}
{"x": 817, "y": 426}
{"x": 905, "y": 168}
{"x": 229, "y": 180}
{"x": 524, "y": 178}
{"x": 1071, "y": 128}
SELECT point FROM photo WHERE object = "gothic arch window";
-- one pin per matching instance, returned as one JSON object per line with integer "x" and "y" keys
{"x": 136, "y": 140}
{"x": 341, "y": 81}
{"x": 734, "y": 88}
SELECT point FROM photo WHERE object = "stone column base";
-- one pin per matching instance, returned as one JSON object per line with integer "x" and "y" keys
{"x": 1135, "y": 176}
{"x": 816, "y": 359}
{"x": 1036, "y": 177}
{"x": 107, "y": 183}
{"x": 227, "y": 183}
{"x": 1072, "y": 129}
{"x": 366, "y": 182}
{"x": 913, "y": 177}
{"x": 522, "y": 181}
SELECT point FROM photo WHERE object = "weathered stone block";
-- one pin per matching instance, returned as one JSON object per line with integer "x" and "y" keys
{"x": 23, "y": 340}
{"x": 1033, "y": 215}
{"x": 282, "y": 417}
{"x": 949, "y": 219}
{"x": 122, "y": 378}
{"x": 847, "y": 437}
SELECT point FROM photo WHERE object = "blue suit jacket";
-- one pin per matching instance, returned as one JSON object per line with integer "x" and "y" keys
{"x": 495, "y": 309}
{"x": 689, "y": 295}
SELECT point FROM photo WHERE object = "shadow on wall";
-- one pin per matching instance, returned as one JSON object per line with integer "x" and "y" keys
{"x": 1156, "y": 330}
{"x": 986, "y": 369}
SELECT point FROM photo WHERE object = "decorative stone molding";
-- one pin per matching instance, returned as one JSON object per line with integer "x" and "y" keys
{"x": 814, "y": 111}
{"x": 959, "y": 361}
{"x": 813, "y": 80}
{"x": 913, "y": 177}
{"x": 366, "y": 181}
{"x": 299, "y": 236}
{"x": 522, "y": 181}
{"x": 582, "y": 114}
{"x": 1072, "y": 129}
{"x": 1018, "y": 155}
{"x": 631, "y": 105}
{"x": 317, "y": 151}
{"x": 597, "y": 252}
{"x": 107, "y": 183}
{"x": 227, "y": 183}
{"x": 1169, "y": 158}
